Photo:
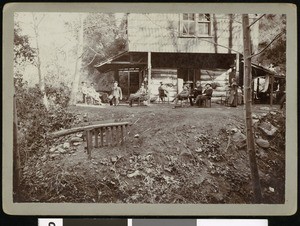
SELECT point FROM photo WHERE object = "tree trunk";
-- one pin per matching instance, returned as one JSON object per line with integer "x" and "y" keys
{"x": 78, "y": 63}
{"x": 38, "y": 63}
{"x": 215, "y": 27}
{"x": 230, "y": 33}
{"x": 248, "y": 110}
{"x": 16, "y": 154}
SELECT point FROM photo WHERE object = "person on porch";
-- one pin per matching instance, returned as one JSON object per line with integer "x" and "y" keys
{"x": 84, "y": 92}
{"x": 197, "y": 91}
{"x": 141, "y": 94}
{"x": 184, "y": 94}
{"x": 116, "y": 95}
{"x": 95, "y": 96}
{"x": 207, "y": 93}
{"x": 162, "y": 92}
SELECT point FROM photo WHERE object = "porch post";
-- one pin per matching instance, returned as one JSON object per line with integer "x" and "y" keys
{"x": 116, "y": 75}
{"x": 271, "y": 90}
{"x": 128, "y": 88}
{"x": 140, "y": 77}
{"x": 149, "y": 76}
{"x": 237, "y": 68}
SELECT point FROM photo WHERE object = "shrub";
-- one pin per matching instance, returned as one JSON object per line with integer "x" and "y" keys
{"x": 34, "y": 120}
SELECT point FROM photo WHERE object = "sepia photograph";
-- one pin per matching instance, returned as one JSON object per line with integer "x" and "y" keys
{"x": 149, "y": 108}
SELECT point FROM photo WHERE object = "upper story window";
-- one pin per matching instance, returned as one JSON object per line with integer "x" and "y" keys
{"x": 194, "y": 25}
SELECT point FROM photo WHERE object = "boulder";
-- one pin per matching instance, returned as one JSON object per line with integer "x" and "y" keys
{"x": 76, "y": 139}
{"x": 52, "y": 149}
{"x": 268, "y": 128}
{"x": 262, "y": 143}
{"x": 113, "y": 159}
{"x": 61, "y": 150}
{"x": 265, "y": 108}
{"x": 238, "y": 137}
{"x": 66, "y": 145}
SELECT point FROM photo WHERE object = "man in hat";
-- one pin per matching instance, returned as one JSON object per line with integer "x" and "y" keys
{"x": 140, "y": 94}
{"x": 162, "y": 92}
{"x": 196, "y": 92}
{"x": 84, "y": 91}
{"x": 116, "y": 94}
{"x": 184, "y": 94}
{"x": 207, "y": 94}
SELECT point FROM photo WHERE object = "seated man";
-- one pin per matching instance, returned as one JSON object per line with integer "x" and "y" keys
{"x": 162, "y": 92}
{"x": 141, "y": 94}
{"x": 196, "y": 92}
{"x": 207, "y": 93}
{"x": 184, "y": 94}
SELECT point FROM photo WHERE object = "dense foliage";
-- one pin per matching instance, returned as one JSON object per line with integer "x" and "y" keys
{"x": 34, "y": 120}
{"x": 270, "y": 26}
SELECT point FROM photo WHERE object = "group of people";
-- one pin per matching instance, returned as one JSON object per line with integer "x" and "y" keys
{"x": 195, "y": 96}
{"x": 115, "y": 96}
{"x": 90, "y": 92}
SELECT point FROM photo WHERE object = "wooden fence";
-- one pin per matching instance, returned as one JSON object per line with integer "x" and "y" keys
{"x": 107, "y": 134}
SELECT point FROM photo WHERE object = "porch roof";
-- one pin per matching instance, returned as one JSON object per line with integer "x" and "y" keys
{"x": 167, "y": 60}
{"x": 121, "y": 61}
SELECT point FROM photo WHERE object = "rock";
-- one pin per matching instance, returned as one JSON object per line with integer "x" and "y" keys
{"x": 254, "y": 116}
{"x": 238, "y": 137}
{"x": 264, "y": 114}
{"x": 271, "y": 189}
{"x": 43, "y": 158}
{"x": 199, "y": 150}
{"x": 52, "y": 150}
{"x": 113, "y": 159}
{"x": 76, "y": 139}
{"x": 262, "y": 143}
{"x": 234, "y": 130}
{"x": 53, "y": 155}
{"x": 136, "y": 136}
{"x": 273, "y": 113}
{"x": 61, "y": 150}
{"x": 152, "y": 114}
{"x": 79, "y": 135}
{"x": 134, "y": 174}
{"x": 265, "y": 108}
{"x": 268, "y": 128}
{"x": 186, "y": 153}
{"x": 66, "y": 145}
{"x": 193, "y": 127}
{"x": 255, "y": 121}
{"x": 76, "y": 143}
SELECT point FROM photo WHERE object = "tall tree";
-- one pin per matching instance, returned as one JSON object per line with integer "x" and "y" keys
{"x": 230, "y": 27}
{"x": 78, "y": 64}
{"x": 23, "y": 53}
{"x": 248, "y": 109}
{"x": 270, "y": 26}
{"x": 36, "y": 23}
{"x": 215, "y": 27}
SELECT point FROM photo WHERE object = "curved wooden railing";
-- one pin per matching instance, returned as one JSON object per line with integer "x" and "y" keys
{"x": 106, "y": 134}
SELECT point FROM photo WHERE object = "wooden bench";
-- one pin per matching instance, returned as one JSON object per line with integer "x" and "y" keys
{"x": 106, "y": 134}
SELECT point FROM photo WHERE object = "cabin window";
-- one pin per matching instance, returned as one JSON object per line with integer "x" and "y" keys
{"x": 194, "y": 25}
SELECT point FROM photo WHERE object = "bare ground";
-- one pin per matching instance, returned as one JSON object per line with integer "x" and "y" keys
{"x": 182, "y": 155}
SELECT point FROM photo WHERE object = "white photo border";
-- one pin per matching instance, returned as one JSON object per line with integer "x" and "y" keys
{"x": 95, "y": 209}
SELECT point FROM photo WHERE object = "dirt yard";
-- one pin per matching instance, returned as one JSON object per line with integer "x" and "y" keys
{"x": 182, "y": 155}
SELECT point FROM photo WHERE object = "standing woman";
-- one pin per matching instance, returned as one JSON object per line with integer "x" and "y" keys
{"x": 233, "y": 93}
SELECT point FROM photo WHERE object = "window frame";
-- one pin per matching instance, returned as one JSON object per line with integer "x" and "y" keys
{"x": 196, "y": 22}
